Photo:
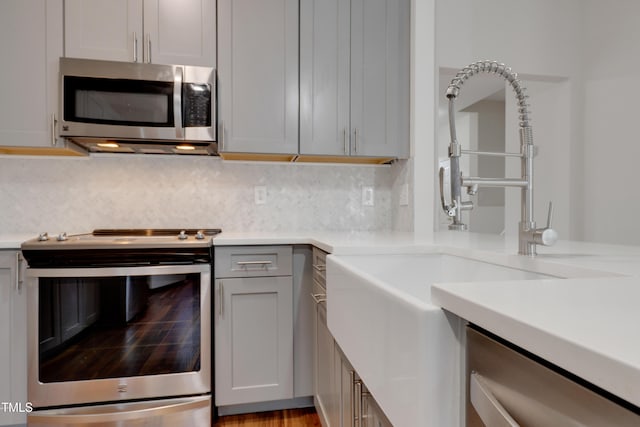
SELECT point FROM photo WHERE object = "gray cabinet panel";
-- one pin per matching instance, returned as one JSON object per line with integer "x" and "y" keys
{"x": 253, "y": 340}
{"x": 258, "y": 75}
{"x": 31, "y": 45}
{"x": 155, "y": 31}
{"x": 324, "y": 77}
{"x": 354, "y": 81}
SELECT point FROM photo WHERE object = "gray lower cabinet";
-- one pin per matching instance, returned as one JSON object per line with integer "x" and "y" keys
{"x": 13, "y": 351}
{"x": 326, "y": 382}
{"x": 354, "y": 77}
{"x": 258, "y": 76}
{"x": 253, "y": 324}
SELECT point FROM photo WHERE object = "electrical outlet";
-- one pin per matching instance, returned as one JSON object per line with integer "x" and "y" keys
{"x": 260, "y": 194}
{"x": 404, "y": 195}
{"x": 367, "y": 196}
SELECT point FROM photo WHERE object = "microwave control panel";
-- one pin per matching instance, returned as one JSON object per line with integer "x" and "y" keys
{"x": 196, "y": 102}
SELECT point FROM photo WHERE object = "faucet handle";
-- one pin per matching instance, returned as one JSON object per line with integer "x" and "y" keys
{"x": 550, "y": 215}
{"x": 546, "y": 236}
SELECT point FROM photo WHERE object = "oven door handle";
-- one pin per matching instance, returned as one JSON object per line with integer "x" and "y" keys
{"x": 153, "y": 270}
{"x": 177, "y": 103}
{"x": 117, "y": 413}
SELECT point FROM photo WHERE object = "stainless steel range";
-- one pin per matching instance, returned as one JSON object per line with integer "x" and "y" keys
{"x": 119, "y": 331}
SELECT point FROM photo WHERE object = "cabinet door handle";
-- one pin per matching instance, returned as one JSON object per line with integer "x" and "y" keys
{"x": 149, "y": 48}
{"x": 352, "y": 378}
{"x": 54, "y": 124}
{"x": 221, "y": 137}
{"x": 135, "y": 47}
{"x": 491, "y": 412}
{"x": 220, "y": 298}
{"x": 146, "y": 52}
{"x": 357, "y": 398}
{"x": 355, "y": 141}
{"x": 18, "y": 272}
{"x": 344, "y": 141}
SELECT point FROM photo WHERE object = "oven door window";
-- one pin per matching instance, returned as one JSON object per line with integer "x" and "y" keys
{"x": 114, "y": 327}
{"x": 118, "y": 102}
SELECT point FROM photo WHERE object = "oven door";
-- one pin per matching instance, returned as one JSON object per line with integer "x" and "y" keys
{"x": 118, "y": 333}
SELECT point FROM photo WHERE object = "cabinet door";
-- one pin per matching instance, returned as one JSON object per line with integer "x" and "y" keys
{"x": 30, "y": 48}
{"x": 327, "y": 385}
{"x": 380, "y": 77}
{"x": 180, "y": 32}
{"x": 13, "y": 352}
{"x": 98, "y": 29}
{"x": 258, "y": 76}
{"x": 347, "y": 377}
{"x": 253, "y": 340}
{"x": 324, "y": 77}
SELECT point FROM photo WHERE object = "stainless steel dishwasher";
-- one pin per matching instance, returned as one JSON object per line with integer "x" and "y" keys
{"x": 506, "y": 388}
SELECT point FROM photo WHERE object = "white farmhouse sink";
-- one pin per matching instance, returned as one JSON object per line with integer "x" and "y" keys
{"x": 406, "y": 350}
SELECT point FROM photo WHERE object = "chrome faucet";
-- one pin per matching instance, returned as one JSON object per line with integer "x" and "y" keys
{"x": 529, "y": 236}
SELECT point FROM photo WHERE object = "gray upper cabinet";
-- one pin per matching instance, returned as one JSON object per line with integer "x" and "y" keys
{"x": 324, "y": 77}
{"x": 30, "y": 47}
{"x": 354, "y": 77}
{"x": 258, "y": 76}
{"x": 154, "y": 31}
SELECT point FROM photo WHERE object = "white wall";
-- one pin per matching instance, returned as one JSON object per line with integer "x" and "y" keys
{"x": 542, "y": 41}
{"x": 77, "y": 195}
{"x": 612, "y": 146}
{"x": 422, "y": 165}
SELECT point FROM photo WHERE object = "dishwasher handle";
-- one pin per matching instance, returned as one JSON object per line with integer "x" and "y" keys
{"x": 491, "y": 412}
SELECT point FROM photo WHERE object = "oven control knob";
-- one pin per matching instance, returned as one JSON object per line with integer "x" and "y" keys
{"x": 43, "y": 237}
{"x": 200, "y": 235}
{"x": 182, "y": 235}
{"x": 61, "y": 237}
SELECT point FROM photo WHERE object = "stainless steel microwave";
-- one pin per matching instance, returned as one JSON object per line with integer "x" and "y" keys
{"x": 136, "y": 107}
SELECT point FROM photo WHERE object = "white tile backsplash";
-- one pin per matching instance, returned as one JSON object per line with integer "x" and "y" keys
{"x": 106, "y": 191}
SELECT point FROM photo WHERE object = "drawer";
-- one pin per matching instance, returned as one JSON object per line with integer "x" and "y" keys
{"x": 253, "y": 261}
{"x": 319, "y": 265}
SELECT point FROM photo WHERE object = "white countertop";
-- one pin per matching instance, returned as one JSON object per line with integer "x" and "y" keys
{"x": 14, "y": 240}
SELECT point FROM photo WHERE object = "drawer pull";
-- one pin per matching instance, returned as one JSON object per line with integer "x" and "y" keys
{"x": 320, "y": 267}
{"x": 491, "y": 412}
{"x": 319, "y": 298}
{"x": 245, "y": 263}
{"x": 221, "y": 298}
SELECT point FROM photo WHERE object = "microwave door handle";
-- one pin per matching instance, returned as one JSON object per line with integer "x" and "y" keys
{"x": 177, "y": 104}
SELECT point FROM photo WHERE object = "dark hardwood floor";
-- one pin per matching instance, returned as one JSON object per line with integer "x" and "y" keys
{"x": 288, "y": 418}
